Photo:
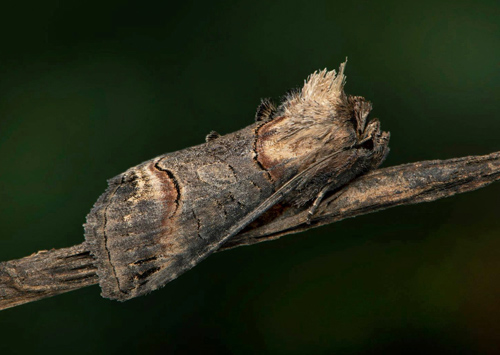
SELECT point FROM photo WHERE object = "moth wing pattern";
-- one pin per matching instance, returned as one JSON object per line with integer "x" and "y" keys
{"x": 162, "y": 217}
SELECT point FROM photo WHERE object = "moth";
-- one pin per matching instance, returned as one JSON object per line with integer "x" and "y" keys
{"x": 162, "y": 217}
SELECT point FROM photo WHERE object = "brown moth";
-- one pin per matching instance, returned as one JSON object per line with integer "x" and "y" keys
{"x": 162, "y": 217}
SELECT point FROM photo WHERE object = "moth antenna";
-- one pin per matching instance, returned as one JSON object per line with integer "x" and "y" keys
{"x": 265, "y": 111}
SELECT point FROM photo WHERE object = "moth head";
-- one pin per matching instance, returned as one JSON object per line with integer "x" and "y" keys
{"x": 319, "y": 119}
{"x": 369, "y": 138}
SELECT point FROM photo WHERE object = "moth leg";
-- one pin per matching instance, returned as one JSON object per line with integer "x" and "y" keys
{"x": 319, "y": 198}
{"x": 317, "y": 201}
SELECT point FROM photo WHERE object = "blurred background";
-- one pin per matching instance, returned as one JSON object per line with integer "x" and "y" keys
{"x": 89, "y": 89}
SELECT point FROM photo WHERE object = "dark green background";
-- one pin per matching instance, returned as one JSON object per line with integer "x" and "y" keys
{"x": 88, "y": 89}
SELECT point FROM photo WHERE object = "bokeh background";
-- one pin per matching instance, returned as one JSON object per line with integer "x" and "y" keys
{"x": 90, "y": 88}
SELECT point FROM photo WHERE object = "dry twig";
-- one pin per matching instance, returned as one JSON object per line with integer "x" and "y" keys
{"x": 49, "y": 273}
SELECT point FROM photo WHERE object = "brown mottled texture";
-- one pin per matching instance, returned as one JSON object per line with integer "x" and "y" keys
{"x": 45, "y": 274}
{"x": 380, "y": 189}
{"x": 162, "y": 217}
{"x": 49, "y": 273}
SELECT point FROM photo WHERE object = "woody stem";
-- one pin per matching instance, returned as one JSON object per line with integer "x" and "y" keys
{"x": 49, "y": 273}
